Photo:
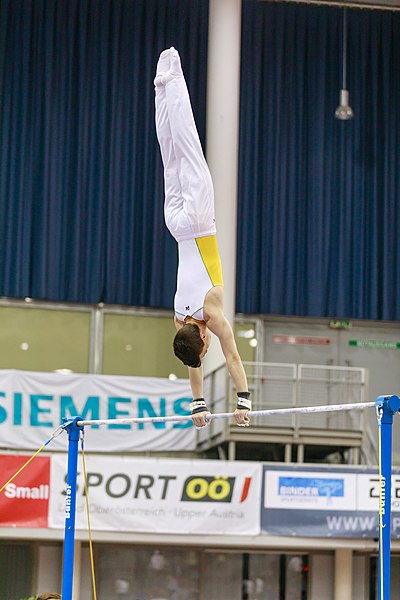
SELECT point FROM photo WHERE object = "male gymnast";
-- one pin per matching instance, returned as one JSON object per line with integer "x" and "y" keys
{"x": 190, "y": 217}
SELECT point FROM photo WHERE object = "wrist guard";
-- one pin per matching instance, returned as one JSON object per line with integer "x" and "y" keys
{"x": 198, "y": 405}
{"x": 243, "y": 401}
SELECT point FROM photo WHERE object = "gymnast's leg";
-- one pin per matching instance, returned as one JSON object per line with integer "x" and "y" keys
{"x": 191, "y": 167}
{"x": 173, "y": 205}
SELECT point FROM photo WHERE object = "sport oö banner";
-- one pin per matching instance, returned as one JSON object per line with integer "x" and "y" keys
{"x": 33, "y": 404}
{"x": 161, "y": 495}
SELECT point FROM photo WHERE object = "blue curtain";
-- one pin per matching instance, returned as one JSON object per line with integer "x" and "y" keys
{"x": 319, "y": 199}
{"x": 81, "y": 185}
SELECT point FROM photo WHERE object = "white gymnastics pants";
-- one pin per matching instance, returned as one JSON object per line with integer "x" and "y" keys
{"x": 189, "y": 196}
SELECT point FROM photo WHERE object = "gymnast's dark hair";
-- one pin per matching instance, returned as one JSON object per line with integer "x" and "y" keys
{"x": 188, "y": 345}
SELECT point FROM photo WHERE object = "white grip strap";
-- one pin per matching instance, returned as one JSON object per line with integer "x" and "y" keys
{"x": 197, "y": 406}
{"x": 243, "y": 401}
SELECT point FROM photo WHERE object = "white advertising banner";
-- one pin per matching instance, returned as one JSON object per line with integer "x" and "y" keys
{"x": 326, "y": 490}
{"x": 331, "y": 501}
{"x": 162, "y": 495}
{"x": 304, "y": 490}
{"x": 32, "y": 405}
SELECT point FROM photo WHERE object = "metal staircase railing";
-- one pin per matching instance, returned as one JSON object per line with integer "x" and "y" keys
{"x": 283, "y": 385}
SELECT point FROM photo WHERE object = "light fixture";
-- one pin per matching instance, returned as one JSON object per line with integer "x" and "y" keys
{"x": 344, "y": 111}
{"x": 246, "y": 333}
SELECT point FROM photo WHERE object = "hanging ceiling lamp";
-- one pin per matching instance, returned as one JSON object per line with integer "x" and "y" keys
{"x": 344, "y": 111}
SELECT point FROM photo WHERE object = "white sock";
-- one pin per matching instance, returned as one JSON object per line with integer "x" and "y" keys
{"x": 168, "y": 67}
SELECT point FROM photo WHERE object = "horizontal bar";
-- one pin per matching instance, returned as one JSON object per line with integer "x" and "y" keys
{"x": 346, "y": 4}
{"x": 251, "y": 413}
{"x": 330, "y": 381}
{"x": 254, "y": 378}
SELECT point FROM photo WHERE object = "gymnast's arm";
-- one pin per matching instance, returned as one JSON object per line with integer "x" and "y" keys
{"x": 220, "y": 326}
{"x": 196, "y": 383}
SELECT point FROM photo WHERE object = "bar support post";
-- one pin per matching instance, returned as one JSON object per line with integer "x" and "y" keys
{"x": 71, "y": 425}
{"x": 386, "y": 407}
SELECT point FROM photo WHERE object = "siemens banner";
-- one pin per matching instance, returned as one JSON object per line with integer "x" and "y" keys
{"x": 325, "y": 502}
{"x": 32, "y": 405}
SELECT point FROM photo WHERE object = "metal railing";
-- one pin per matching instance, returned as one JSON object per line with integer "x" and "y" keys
{"x": 285, "y": 385}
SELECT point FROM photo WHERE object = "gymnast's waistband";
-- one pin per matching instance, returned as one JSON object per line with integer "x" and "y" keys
{"x": 192, "y": 236}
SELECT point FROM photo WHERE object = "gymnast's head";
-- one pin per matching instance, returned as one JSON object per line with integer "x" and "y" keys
{"x": 191, "y": 344}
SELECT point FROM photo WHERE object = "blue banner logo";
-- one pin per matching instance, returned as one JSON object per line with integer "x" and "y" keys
{"x": 311, "y": 487}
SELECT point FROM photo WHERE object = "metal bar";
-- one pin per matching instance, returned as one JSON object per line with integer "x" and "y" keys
{"x": 328, "y": 381}
{"x": 31, "y": 303}
{"x": 254, "y": 413}
{"x": 338, "y": 4}
{"x": 96, "y": 341}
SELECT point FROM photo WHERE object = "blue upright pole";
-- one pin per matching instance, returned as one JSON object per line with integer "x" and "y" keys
{"x": 70, "y": 505}
{"x": 386, "y": 406}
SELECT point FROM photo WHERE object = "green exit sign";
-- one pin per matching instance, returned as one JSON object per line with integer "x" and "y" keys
{"x": 340, "y": 324}
{"x": 377, "y": 344}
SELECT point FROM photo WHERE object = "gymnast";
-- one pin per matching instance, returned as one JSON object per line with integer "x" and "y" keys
{"x": 190, "y": 217}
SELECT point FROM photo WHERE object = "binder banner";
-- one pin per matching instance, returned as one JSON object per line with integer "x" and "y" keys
{"x": 162, "y": 495}
{"x": 330, "y": 502}
{"x": 33, "y": 404}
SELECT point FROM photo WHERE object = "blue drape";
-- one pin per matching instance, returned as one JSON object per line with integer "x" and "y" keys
{"x": 81, "y": 187}
{"x": 81, "y": 184}
{"x": 319, "y": 198}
